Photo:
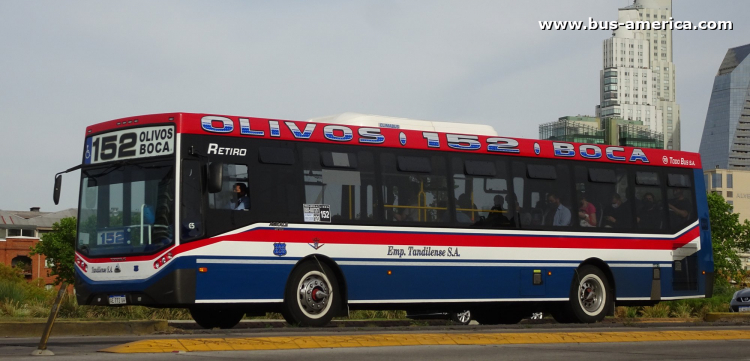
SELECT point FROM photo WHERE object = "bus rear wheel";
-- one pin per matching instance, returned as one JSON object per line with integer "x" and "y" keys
{"x": 590, "y": 297}
{"x": 311, "y": 297}
{"x": 216, "y": 317}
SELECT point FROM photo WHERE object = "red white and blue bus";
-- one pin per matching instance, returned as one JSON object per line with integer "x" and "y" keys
{"x": 229, "y": 216}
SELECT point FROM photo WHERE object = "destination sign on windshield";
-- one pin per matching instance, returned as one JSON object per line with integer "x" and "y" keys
{"x": 129, "y": 144}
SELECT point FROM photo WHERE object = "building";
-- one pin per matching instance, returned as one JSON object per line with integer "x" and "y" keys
{"x": 21, "y": 230}
{"x": 593, "y": 130}
{"x": 725, "y": 143}
{"x": 580, "y": 129}
{"x": 722, "y": 181}
{"x": 637, "y": 82}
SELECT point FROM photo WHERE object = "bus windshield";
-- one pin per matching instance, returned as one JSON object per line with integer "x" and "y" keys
{"x": 126, "y": 209}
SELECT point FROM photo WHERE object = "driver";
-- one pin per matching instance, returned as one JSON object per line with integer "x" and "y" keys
{"x": 240, "y": 200}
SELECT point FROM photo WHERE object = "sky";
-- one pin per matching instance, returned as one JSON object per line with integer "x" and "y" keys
{"x": 67, "y": 65}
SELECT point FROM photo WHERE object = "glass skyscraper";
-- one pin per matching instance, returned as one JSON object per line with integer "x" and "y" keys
{"x": 726, "y": 134}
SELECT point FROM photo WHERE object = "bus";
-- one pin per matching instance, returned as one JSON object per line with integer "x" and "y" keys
{"x": 230, "y": 216}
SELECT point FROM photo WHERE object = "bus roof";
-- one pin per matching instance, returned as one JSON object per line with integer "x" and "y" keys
{"x": 380, "y": 121}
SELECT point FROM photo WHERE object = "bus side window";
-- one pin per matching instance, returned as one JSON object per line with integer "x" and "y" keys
{"x": 481, "y": 192}
{"x": 680, "y": 201}
{"x": 415, "y": 188}
{"x": 234, "y": 193}
{"x": 340, "y": 181}
{"x": 546, "y": 188}
{"x": 650, "y": 200}
{"x": 602, "y": 197}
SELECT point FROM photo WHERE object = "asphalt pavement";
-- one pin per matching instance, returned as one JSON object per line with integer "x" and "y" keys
{"x": 87, "y": 348}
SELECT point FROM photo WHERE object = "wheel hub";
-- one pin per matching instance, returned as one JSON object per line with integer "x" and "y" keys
{"x": 464, "y": 316}
{"x": 590, "y": 295}
{"x": 314, "y": 294}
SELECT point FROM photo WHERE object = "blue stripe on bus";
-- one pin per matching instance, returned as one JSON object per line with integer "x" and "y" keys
{"x": 228, "y": 281}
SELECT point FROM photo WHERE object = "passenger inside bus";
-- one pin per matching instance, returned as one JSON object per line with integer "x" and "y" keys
{"x": 586, "y": 212}
{"x": 617, "y": 214}
{"x": 410, "y": 214}
{"x": 557, "y": 214}
{"x": 515, "y": 214}
{"x": 679, "y": 208}
{"x": 649, "y": 213}
{"x": 496, "y": 217}
{"x": 240, "y": 200}
{"x": 464, "y": 209}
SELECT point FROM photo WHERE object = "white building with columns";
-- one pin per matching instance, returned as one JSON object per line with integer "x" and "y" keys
{"x": 638, "y": 76}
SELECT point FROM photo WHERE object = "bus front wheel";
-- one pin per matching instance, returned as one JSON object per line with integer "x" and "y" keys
{"x": 216, "y": 317}
{"x": 311, "y": 297}
{"x": 590, "y": 296}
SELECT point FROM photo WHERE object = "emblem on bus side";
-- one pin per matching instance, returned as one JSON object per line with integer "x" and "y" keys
{"x": 279, "y": 249}
{"x": 402, "y": 138}
{"x": 316, "y": 244}
{"x": 537, "y": 148}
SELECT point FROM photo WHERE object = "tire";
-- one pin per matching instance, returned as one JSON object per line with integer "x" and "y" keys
{"x": 462, "y": 317}
{"x": 590, "y": 296}
{"x": 210, "y": 318}
{"x": 301, "y": 306}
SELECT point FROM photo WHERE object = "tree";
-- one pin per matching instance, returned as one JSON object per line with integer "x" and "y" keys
{"x": 729, "y": 237}
{"x": 59, "y": 248}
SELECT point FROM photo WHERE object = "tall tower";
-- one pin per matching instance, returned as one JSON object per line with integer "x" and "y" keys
{"x": 637, "y": 80}
{"x": 726, "y": 134}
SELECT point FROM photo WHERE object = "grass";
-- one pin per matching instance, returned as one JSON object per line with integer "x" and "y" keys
{"x": 692, "y": 307}
{"x": 660, "y": 310}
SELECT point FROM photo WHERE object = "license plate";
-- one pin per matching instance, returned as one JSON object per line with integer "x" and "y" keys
{"x": 117, "y": 300}
{"x": 744, "y": 309}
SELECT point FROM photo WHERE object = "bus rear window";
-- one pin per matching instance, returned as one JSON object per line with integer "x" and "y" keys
{"x": 678, "y": 180}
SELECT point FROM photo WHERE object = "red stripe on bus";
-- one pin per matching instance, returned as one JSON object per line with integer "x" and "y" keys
{"x": 424, "y": 239}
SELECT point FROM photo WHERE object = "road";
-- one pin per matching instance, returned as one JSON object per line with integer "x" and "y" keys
{"x": 86, "y": 348}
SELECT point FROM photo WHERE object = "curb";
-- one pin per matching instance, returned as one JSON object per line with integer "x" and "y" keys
{"x": 163, "y": 345}
{"x": 726, "y": 316}
{"x": 83, "y": 328}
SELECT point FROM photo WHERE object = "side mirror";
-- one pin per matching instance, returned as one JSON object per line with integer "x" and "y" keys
{"x": 56, "y": 192}
{"x": 215, "y": 175}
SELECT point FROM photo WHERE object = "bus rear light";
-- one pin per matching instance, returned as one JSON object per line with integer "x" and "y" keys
{"x": 202, "y": 269}
{"x": 389, "y": 272}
